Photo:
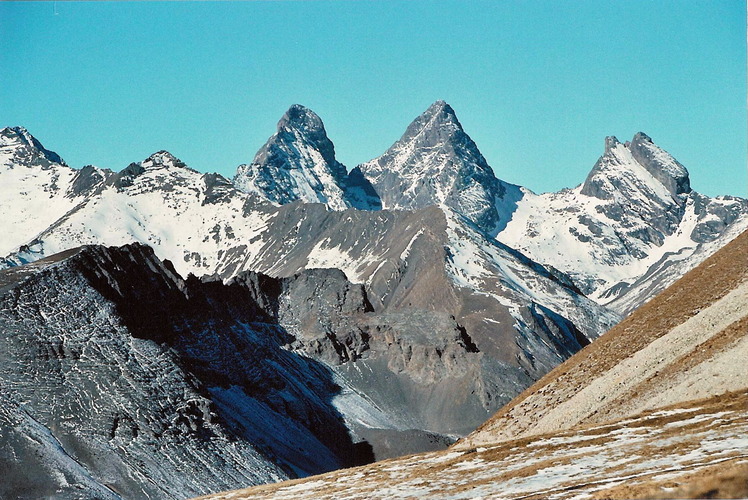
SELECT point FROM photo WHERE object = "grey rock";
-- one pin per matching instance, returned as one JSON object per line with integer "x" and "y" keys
{"x": 120, "y": 379}
{"x": 668, "y": 171}
{"x": 87, "y": 180}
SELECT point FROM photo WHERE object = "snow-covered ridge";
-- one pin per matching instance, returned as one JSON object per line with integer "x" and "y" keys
{"x": 634, "y": 221}
{"x": 633, "y": 217}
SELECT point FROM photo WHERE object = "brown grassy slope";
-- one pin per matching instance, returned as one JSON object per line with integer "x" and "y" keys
{"x": 701, "y": 287}
{"x": 728, "y": 479}
{"x": 687, "y": 448}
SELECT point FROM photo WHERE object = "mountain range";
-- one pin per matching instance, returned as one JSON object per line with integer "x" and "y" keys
{"x": 361, "y": 314}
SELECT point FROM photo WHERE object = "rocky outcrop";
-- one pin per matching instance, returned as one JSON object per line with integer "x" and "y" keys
{"x": 121, "y": 379}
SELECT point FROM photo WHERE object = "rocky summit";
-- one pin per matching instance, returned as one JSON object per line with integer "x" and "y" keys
{"x": 168, "y": 333}
{"x": 298, "y": 163}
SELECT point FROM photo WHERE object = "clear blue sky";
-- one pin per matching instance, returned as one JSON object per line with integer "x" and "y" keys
{"x": 537, "y": 84}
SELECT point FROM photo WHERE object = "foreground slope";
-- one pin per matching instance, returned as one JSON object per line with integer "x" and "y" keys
{"x": 695, "y": 450}
{"x": 689, "y": 342}
{"x": 656, "y": 408}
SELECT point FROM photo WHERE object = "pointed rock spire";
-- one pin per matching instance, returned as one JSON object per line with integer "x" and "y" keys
{"x": 436, "y": 163}
{"x": 637, "y": 166}
{"x": 296, "y": 163}
{"x": 640, "y": 186}
{"x": 660, "y": 164}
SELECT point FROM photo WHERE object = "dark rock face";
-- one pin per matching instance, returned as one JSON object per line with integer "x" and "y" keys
{"x": 137, "y": 383}
{"x": 125, "y": 177}
{"x": 218, "y": 189}
{"x": 87, "y": 180}
{"x": 360, "y": 193}
{"x": 304, "y": 120}
{"x": 715, "y": 216}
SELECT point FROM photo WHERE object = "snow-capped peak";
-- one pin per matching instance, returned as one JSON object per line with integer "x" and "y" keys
{"x": 18, "y": 144}
{"x": 163, "y": 159}
{"x": 638, "y": 166}
{"x": 437, "y": 124}
{"x": 436, "y": 163}
{"x": 296, "y": 163}
{"x": 301, "y": 121}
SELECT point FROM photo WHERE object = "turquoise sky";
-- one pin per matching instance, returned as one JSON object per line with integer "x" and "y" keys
{"x": 537, "y": 84}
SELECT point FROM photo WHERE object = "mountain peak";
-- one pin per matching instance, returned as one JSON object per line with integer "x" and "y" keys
{"x": 15, "y": 138}
{"x": 296, "y": 163}
{"x": 660, "y": 164}
{"x": 436, "y": 163}
{"x": 641, "y": 137}
{"x": 610, "y": 143}
{"x": 440, "y": 106}
{"x": 438, "y": 117}
{"x": 639, "y": 164}
{"x": 301, "y": 118}
{"x": 163, "y": 158}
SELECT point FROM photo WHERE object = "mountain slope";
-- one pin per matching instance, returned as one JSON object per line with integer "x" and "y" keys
{"x": 686, "y": 343}
{"x": 463, "y": 322}
{"x": 630, "y": 230}
{"x": 696, "y": 450}
{"x": 120, "y": 379}
{"x": 432, "y": 271}
{"x": 37, "y": 186}
{"x": 298, "y": 163}
{"x": 185, "y": 216}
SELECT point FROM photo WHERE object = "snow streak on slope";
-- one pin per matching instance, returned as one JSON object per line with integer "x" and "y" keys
{"x": 478, "y": 262}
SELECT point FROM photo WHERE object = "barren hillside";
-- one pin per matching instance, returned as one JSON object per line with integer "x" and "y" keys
{"x": 689, "y": 342}
{"x": 674, "y": 452}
